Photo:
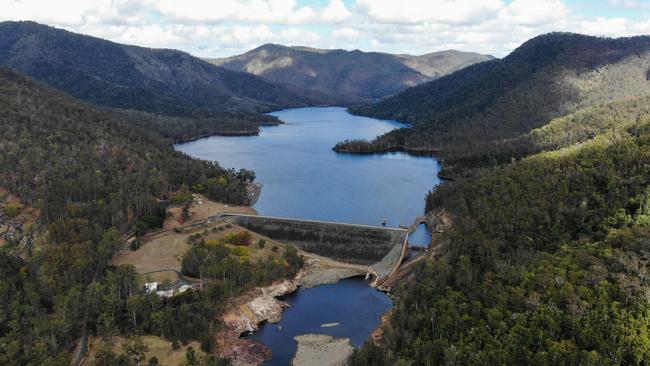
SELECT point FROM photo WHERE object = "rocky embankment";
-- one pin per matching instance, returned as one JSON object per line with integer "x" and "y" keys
{"x": 244, "y": 316}
{"x": 246, "y": 313}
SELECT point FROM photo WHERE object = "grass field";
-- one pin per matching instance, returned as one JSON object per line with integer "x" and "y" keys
{"x": 164, "y": 251}
{"x": 158, "y": 347}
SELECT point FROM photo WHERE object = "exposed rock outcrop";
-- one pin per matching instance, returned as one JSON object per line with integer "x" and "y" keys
{"x": 321, "y": 350}
{"x": 244, "y": 316}
{"x": 16, "y": 222}
{"x": 438, "y": 222}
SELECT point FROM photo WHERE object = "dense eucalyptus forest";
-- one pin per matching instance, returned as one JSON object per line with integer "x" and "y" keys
{"x": 476, "y": 116}
{"x": 545, "y": 264}
{"x": 93, "y": 175}
{"x": 547, "y": 258}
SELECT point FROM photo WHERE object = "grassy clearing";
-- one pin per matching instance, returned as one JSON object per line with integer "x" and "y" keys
{"x": 166, "y": 251}
{"x": 158, "y": 347}
{"x": 202, "y": 211}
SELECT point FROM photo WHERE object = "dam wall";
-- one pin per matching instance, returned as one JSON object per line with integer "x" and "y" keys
{"x": 378, "y": 247}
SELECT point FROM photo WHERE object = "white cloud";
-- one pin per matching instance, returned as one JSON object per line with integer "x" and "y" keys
{"x": 335, "y": 12}
{"x": 348, "y": 34}
{"x": 605, "y": 27}
{"x": 251, "y": 11}
{"x": 416, "y": 11}
{"x": 225, "y": 27}
{"x": 50, "y": 11}
{"x": 533, "y": 12}
{"x": 630, "y": 4}
{"x": 297, "y": 36}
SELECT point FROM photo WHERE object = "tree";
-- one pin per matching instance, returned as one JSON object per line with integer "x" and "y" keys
{"x": 136, "y": 349}
{"x": 190, "y": 357}
{"x": 185, "y": 215}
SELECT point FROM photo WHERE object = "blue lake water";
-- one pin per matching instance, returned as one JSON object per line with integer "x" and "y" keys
{"x": 303, "y": 178}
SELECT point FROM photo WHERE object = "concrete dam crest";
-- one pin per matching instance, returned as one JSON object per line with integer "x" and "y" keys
{"x": 382, "y": 249}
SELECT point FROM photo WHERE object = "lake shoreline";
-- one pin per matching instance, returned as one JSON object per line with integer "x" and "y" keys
{"x": 233, "y": 133}
{"x": 390, "y": 149}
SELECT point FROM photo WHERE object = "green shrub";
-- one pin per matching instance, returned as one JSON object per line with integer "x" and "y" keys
{"x": 240, "y": 238}
{"x": 175, "y": 345}
{"x": 135, "y": 245}
{"x": 261, "y": 243}
{"x": 12, "y": 210}
{"x": 182, "y": 198}
{"x": 140, "y": 228}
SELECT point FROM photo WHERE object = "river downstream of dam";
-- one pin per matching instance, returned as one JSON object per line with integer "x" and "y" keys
{"x": 303, "y": 178}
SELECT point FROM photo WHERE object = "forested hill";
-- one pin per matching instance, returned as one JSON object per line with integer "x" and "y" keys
{"x": 93, "y": 177}
{"x": 348, "y": 76}
{"x": 154, "y": 80}
{"x": 547, "y": 259}
{"x": 72, "y": 160}
{"x": 473, "y": 114}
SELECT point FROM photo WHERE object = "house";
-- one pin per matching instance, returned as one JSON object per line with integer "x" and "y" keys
{"x": 184, "y": 288}
{"x": 151, "y": 286}
{"x": 165, "y": 293}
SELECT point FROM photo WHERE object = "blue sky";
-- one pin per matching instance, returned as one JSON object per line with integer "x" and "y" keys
{"x": 593, "y": 8}
{"x": 217, "y": 28}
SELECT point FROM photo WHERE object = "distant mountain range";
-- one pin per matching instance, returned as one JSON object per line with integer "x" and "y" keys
{"x": 129, "y": 77}
{"x": 477, "y": 115}
{"x": 348, "y": 77}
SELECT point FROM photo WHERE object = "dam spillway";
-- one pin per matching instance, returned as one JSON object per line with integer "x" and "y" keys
{"x": 380, "y": 248}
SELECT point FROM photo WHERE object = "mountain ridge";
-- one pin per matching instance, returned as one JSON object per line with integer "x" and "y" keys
{"x": 473, "y": 114}
{"x": 161, "y": 81}
{"x": 350, "y": 76}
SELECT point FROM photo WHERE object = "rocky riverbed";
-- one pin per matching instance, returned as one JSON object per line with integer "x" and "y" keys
{"x": 244, "y": 316}
{"x": 247, "y": 312}
{"x": 321, "y": 350}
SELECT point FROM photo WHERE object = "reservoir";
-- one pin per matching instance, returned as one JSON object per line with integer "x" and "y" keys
{"x": 303, "y": 178}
